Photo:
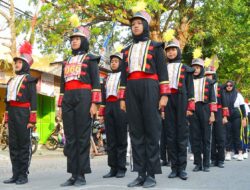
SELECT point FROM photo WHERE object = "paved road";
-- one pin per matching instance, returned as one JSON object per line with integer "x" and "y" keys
{"x": 48, "y": 171}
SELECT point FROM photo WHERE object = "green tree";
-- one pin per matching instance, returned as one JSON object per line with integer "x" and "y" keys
{"x": 222, "y": 28}
{"x": 54, "y": 25}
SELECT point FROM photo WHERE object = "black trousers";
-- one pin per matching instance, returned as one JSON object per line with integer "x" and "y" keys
{"x": 218, "y": 138}
{"x": 177, "y": 131}
{"x": 116, "y": 131}
{"x": 233, "y": 133}
{"x": 142, "y": 99}
{"x": 19, "y": 140}
{"x": 201, "y": 134}
{"x": 77, "y": 128}
{"x": 163, "y": 143}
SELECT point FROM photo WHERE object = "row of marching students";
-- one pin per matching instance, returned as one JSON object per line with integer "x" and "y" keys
{"x": 217, "y": 122}
{"x": 141, "y": 89}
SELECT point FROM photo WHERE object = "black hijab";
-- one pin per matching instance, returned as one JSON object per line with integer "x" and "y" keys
{"x": 145, "y": 34}
{"x": 230, "y": 96}
{"x": 84, "y": 47}
{"x": 25, "y": 68}
{"x": 177, "y": 59}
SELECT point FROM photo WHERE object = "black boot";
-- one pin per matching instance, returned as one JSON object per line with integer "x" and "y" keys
{"x": 206, "y": 169}
{"x": 13, "y": 179}
{"x": 173, "y": 174}
{"x": 22, "y": 180}
{"x": 149, "y": 181}
{"x": 183, "y": 174}
{"x": 112, "y": 173}
{"x": 80, "y": 181}
{"x": 197, "y": 168}
{"x": 221, "y": 164}
{"x": 138, "y": 181}
{"x": 71, "y": 181}
{"x": 120, "y": 173}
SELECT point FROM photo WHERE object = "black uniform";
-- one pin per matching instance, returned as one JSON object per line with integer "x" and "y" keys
{"x": 143, "y": 93}
{"x": 200, "y": 129}
{"x": 237, "y": 110}
{"x": 115, "y": 124}
{"x": 20, "y": 110}
{"x": 180, "y": 100}
{"x": 219, "y": 130}
{"x": 80, "y": 86}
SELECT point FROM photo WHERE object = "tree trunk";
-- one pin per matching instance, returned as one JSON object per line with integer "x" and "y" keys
{"x": 183, "y": 32}
{"x": 155, "y": 32}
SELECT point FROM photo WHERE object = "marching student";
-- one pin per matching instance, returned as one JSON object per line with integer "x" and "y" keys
{"x": 144, "y": 86}
{"x": 20, "y": 115}
{"x": 236, "y": 121}
{"x": 218, "y": 129}
{"x": 180, "y": 105}
{"x": 203, "y": 117}
{"x": 115, "y": 120}
{"x": 80, "y": 94}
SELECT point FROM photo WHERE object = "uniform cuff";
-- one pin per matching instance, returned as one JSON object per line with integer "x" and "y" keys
{"x": 213, "y": 107}
{"x": 96, "y": 96}
{"x": 32, "y": 117}
{"x": 191, "y": 105}
{"x": 121, "y": 93}
{"x": 60, "y": 100}
{"x": 101, "y": 110}
{"x": 225, "y": 112}
{"x": 164, "y": 88}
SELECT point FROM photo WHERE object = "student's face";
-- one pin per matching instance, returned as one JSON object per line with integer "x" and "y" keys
{"x": 114, "y": 64}
{"x": 18, "y": 65}
{"x": 171, "y": 52}
{"x": 75, "y": 42}
{"x": 137, "y": 27}
{"x": 197, "y": 70}
{"x": 229, "y": 86}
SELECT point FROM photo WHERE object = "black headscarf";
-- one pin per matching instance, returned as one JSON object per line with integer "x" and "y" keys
{"x": 84, "y": 47}
{"x": 145, "y": 34}
{"x": 201, "y": 73}
{"x": 25, "y": 68}
{"x": 177, "y": 59}
{"x": 230, "y": 96}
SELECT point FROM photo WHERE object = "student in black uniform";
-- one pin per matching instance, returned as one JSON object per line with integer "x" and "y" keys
{"x": 20, "y": 115}
{"x": 218, "y": 130}
{"x": 203, "y": 117}
{"x": 144, "y": 78}
{"x": 115, "y": 120}
{"x": 181, "y": 104}
{"x": 80, "y": 92}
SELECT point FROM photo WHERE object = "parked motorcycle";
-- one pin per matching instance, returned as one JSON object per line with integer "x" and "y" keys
{"x": 34, "y": 140}
{"x": 56, "y": 138}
